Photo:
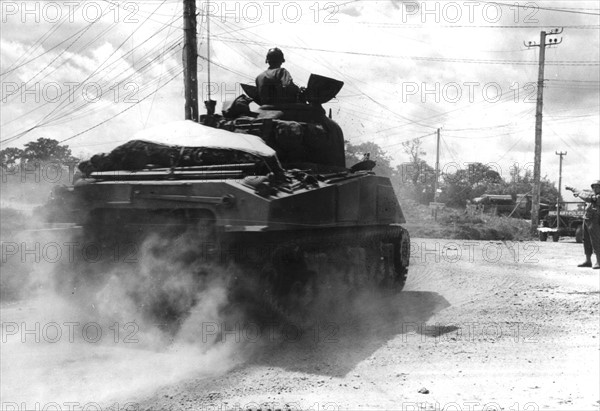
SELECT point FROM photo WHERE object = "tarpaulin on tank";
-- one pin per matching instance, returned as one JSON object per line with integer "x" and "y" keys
{"x": 183, "y": 143}
{"x": 140, "y": 154}
{"x": 187, "y": 133}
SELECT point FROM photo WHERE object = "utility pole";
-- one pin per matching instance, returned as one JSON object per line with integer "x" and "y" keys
{"x": 208, "y": 46}
{"x": 535, "y": 206}
{"x": 190, "y": 63}
{"x": 210, "y": 104}
{"x": 437, "y": 174}
{"x": 561, "y": 154}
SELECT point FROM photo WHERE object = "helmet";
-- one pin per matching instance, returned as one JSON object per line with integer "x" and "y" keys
{"x": 275, "y": 54}
{"x": 595, "y": 183}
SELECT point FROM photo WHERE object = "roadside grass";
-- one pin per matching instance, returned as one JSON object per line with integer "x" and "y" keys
{"x": 457, "y": 224}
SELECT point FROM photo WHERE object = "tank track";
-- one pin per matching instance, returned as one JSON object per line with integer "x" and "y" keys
{"x": 299, "y": 268}
{"x": 288, "y": 271}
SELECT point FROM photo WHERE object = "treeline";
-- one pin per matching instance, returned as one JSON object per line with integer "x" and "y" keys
{"x": 42, "y": 150}
{"x": 27, "y": 175}
{"x": 415, "y": 179}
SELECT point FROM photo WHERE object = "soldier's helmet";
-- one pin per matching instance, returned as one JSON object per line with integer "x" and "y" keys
{"x": 275, "y": 55}
{"x": 595, "y": 183}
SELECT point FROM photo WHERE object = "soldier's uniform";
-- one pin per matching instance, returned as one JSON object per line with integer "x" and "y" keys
{"x": 591, "y": 223}
{"x": 275, "y": 85}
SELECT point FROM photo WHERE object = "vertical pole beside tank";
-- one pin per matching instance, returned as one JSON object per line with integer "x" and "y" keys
{"x": 190, "y": 55}
{"x": 437, "y": 173}
{"x": 209, "y": 103}
{"x": 208, "y": 48}
{"x": 561, "y": 154}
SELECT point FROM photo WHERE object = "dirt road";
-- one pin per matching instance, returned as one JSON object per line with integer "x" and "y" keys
{"x": 480, "y": 325}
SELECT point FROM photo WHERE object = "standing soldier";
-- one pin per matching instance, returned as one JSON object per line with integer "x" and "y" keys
{"x": 275, "y": 85}
{"x": 591, "y": 223}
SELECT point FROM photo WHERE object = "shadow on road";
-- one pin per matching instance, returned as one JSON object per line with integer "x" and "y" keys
{"x": 337, "y": 338}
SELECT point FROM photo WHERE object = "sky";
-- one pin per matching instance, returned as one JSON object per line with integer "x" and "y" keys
{"x": 92, "y": 73}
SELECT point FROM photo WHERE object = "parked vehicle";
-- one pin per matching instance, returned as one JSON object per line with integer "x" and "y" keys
{"x": 569, "y": 225}
{"x": 507, "y": 205}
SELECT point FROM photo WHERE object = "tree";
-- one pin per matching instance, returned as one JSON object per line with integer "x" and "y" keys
{"x": 10, "y": 156}
{"x": 521, "y": 182}
{"x": 415, "y": 170}
{"x": 548, "y": 191}
{"x": 355, "y": 154}
{"x": 415, "y": 179}
{"x": 466, "y": 184}
{"x": 414, "y": 150}
{"x": 46, "y": 149}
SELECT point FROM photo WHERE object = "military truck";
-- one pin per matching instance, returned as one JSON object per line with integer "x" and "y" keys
{"x": 569, "y": 225}
{"x": 495, "y": 204}
{"x": 507, "y": 205}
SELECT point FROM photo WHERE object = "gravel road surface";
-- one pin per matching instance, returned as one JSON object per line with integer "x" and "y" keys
{"x": 479, "y": 325}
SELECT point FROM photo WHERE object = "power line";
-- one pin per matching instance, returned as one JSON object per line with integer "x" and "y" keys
{"x": 162, "y": 68}
{"x": 476, "y": 26}
{"x": 424, "y": 58}
{"x": 97, "y": 69}
{"x": 348, "y": 79}
{"x": 574, "y": 80}
{"x": 123, "y": 111}
{"x": 410, "y": 139}
{"x": 23, "y": 84}
{"x": 40, "y": 41}
{"x": 69, "y": 115}
{"x": 562, "y": 10}
{"x": 106, "y": 82}
{"x": 46, "y": 119}
{"x": 511, "y": 147}
{"x": 501, "y": 101}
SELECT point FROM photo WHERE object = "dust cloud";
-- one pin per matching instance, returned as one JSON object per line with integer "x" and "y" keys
{"x": 85, "y": 323}
{"x": 108, "y": 330}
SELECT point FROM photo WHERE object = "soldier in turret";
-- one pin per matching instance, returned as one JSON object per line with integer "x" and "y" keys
{"x": 275, "y": 85}
{"x": 591, "y": 223}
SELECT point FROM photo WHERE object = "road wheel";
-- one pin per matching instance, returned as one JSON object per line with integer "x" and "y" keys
{"x": 579, "y": 234}
{"x": 386, "y": 263}
{"x": 401, "y": 260}
{"x": 289, "y": 285}
{"x": 543, "y": 236}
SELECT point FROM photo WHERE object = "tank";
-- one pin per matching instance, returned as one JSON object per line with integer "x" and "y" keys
{"x": 268, "y": 191}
